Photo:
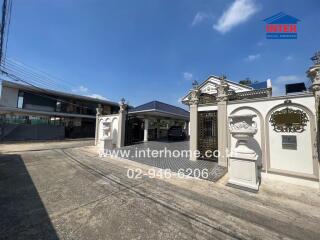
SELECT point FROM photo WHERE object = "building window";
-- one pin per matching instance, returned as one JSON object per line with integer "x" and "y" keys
{"x": 58, "y": 106}
{"x": 20, "y": 100}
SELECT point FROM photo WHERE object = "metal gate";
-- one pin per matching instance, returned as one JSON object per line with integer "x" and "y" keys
{"x": 134, "y": 130}
{"x": 208, "y": 133}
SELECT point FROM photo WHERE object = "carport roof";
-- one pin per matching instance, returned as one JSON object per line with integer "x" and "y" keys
{"x": 161, "y": 109}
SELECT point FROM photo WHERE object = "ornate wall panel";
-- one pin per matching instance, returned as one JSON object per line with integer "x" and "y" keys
{"x": 289, "y": 120}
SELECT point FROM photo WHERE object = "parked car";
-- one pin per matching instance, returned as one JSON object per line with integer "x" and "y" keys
{"x": 176, "y": 132}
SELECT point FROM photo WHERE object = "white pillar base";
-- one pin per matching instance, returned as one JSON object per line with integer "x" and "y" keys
{"x": 243, "y": 172}
{"x": 104, "y": 145}
{"x": 242, "y": 184}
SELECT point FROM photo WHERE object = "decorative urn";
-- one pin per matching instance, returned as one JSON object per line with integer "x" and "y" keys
{"x": 243, "y": 128}
{"x": 243, "y": 170}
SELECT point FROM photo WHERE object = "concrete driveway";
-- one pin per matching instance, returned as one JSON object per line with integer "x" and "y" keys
{"x": 182, "y": 162}
{"x": 70, "y": 193}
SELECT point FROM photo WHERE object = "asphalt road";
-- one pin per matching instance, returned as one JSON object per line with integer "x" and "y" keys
{"x": 69, "y": 193}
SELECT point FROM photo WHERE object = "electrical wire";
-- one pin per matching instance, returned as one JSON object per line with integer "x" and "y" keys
{"x": 27, "y": 75}
{"x": 18, "y": 73}
{"x": 40, "y": 73}
{"x": 16, "y": 78}
{"x": 42, "y": 77}
{"x": 7, "y": 28}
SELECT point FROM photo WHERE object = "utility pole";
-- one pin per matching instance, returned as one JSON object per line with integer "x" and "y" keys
{"x": 2, "y": 30}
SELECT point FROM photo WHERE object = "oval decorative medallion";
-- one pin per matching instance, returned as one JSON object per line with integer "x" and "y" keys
{"x": 289, "y": 120}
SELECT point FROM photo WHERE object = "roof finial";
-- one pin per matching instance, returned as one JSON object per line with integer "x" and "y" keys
{"x": 122, "y": 101}
{"x": 223, "y": 77}
{"x": 316, "y": 58}
{"x": 195, "y": 84}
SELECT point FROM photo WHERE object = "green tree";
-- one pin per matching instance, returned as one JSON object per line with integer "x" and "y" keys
{"x": 246, "y": 81}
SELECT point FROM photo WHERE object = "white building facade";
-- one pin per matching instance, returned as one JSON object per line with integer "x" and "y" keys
{"x": 284, "y": 140}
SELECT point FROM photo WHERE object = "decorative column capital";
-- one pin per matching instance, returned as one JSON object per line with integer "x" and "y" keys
{"x": 314, "y": 72}
{"x": 316, "y": 81}
{"x": 223, "y": 90}
{"x": 123, "y": 106}
{"x": 194, "y": 96}
{"x": 99, "y": 111}
{"x": 314, "y": 75}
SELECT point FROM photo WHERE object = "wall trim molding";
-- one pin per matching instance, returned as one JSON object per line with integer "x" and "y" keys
{"x": 312, "y": 127}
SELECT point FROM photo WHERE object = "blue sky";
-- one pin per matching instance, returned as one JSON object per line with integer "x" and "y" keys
{"x": 147, "y": 50}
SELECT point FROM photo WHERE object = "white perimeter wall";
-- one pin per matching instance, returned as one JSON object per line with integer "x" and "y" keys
{"x": 268, "y": 143}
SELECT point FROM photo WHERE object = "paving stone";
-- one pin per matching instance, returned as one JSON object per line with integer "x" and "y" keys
{"x": 175, "y": 164}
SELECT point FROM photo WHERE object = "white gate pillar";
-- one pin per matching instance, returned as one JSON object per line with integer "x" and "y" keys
{"x": 314, "y": 75}
{"x": 146, "y": 130}
{"x": 222, "y": 122}
{"x": 122, "y": 123}
{"x": 193, "y": 103}
{"x": 96, "y": 136}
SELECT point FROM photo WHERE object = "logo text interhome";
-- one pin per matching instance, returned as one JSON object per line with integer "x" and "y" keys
{"x": 281, "y": 26}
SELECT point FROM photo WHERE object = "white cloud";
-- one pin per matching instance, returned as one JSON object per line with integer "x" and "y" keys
{"x": 187, "y": 76}
{"x": 278, "y": 85}
{"x": 198, "y": 18}
{"x": 289, "y": 58}
{"x": 238, "y": 12}
{"x": 94, "y": 95}
{"x": 80, "y": 89}
{"x": 252, "y": 57}
{"x": 288, "y": 79}
{"x": 276, "y": 91}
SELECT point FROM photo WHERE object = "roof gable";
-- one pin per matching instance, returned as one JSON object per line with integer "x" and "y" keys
{"x": 214, "y": 81}
{"x": 211, "y": 85}
{"x": 281, "y": 18}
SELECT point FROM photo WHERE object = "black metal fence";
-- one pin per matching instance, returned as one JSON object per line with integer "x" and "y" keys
{"x": 208, "y": 133}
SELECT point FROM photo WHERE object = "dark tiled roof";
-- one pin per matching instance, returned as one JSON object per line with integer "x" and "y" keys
{"x": 160, "y": 107}
{"x": 259, "y": 85}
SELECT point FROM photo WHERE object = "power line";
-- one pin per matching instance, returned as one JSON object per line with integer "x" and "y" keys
{"x": 41, "y": 73}
{"x": 3, "y": 24}
{"x": 45, "y": 77}
{"x": 8, "y": 27}
{"x": 38, "y": 77}
{"x": 16, "y": 78}
{"x": 12, "y": 68}
{"x": 28, "y": 75}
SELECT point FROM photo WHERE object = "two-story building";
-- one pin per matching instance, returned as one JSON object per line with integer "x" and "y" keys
{"x": 31, "y": 113}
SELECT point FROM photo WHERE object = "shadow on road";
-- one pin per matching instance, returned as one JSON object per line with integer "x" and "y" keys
{"x": 23, "y": 214}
